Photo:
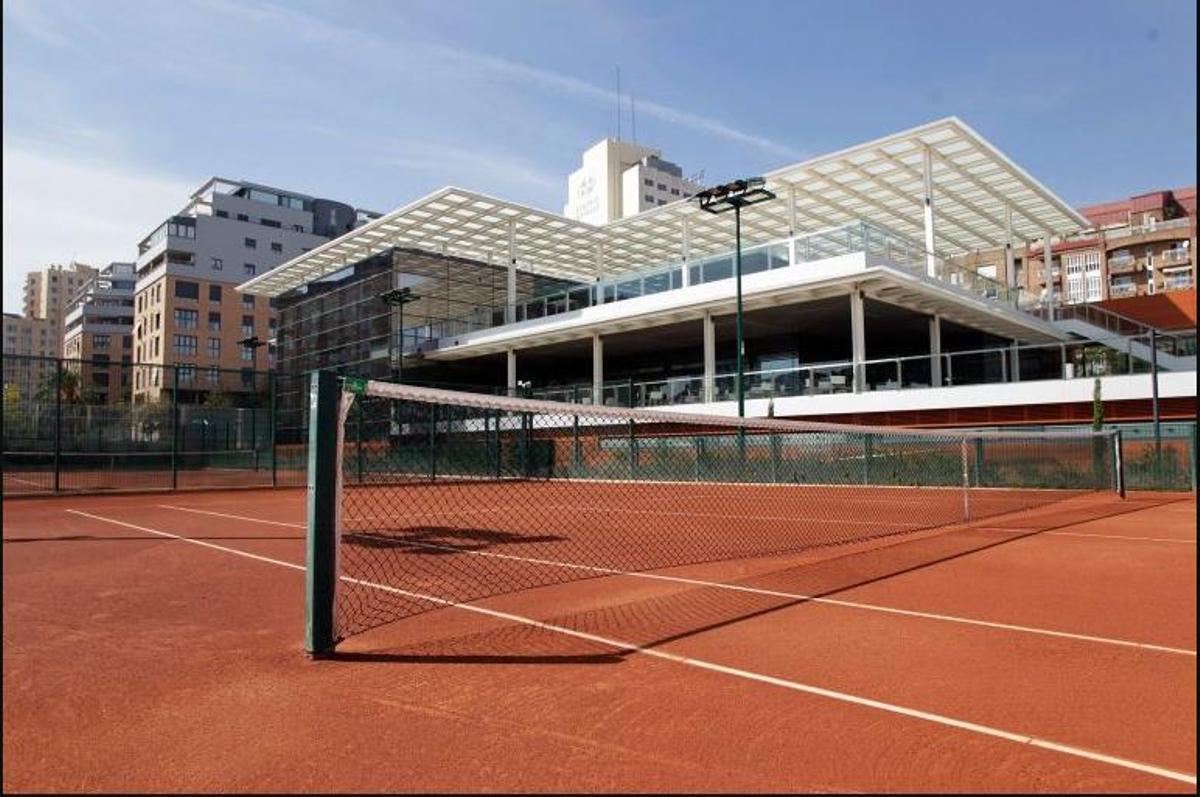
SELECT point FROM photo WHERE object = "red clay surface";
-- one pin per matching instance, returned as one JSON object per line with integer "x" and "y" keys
{"x": 137, "y": 662}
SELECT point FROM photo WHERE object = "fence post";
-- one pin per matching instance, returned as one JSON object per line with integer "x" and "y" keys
{"x": 58, "y": 369}
{"x": 966, "y": 483}
{"x": 978, "y": 461}
{"x": 175, "y": 426}
{"x": 254, "y": 431}
{"x": 273, "y": 421}
{"x": 432, "y": 442}
{"x": 1119, "y": 454}
{"x": 358, "y": 443}
{"x": 1192, "y": 456}
{"x": 774, "y": 457}
{"x": 632, "y": 450}
{"x": 576, "y": 454}
{"x": 868, "y": 443}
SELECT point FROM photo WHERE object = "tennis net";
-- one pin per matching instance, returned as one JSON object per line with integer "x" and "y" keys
{"x": 421, "y": 498}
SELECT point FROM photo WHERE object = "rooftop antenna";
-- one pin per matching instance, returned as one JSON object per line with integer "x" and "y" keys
{"x": 618, "y": 103}
{"x": 633, "y": 116}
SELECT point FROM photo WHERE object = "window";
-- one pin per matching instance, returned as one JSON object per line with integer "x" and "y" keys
{"x": 674, "y": 192}
{"x": 222, "y": 214}
{"x": 186, "y": 373}
{"x": 648, "y": 182}
{"x": 214, "y": 376}
{"x": 99, "y": 341}
{"x": 298, "y": 227}
{"x": 276, "y": 247}
{"x": 247, "y": 377}
{"x": 186, "y": 319}
{"x": 218, "y": 264}
{"x": 248, "y": 326}
{"x": 126, "y": 342}
{"x": 247, "y": 301}
{"x": 269, "y": 223}
{"x": 249, "y": 269}
{"x": 649, "y": 198}
{"x": 214, "y": 293}
{"x": 185, "y": 345}
{"x": 243, "y": 217}
{"x": 187, "y": 290}
{"x": 248, "y": 354}
{"x": 662, "y": 201}
{"x": 272, "y": 323}
{"x": 251, "y": 243}
{"x": 662, "y": 186}
{"x": 214, "y": 322}
{"x": 214, "y": 347}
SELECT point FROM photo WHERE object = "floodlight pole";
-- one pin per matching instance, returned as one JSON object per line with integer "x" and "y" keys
{"x": 735, "y": 195}
{"x": 398, "y": 297}
{"x": 737, "y": 261}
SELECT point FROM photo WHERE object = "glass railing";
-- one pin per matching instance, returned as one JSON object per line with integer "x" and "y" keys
{"x": 881, "y": 246}
{"x": 997, "y": 365}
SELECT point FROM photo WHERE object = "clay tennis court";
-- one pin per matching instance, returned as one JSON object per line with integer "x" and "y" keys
{"x": 155, "y": 642}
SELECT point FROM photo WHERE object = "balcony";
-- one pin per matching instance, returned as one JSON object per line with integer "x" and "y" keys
{"x": 1179, "y": 255}
{"x": 1124, "y": 264}
{"x": 1052, "y": 361}
{"x": 1177, "y": 282}
{"x": 1122, "y": 290}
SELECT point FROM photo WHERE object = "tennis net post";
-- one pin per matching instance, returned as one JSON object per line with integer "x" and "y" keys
{"x": 324, "y": 462}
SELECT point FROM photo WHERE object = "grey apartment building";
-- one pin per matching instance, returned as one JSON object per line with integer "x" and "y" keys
{"x": 188, "y": 311}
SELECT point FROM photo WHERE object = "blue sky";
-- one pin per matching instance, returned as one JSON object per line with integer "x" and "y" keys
{"x": 115, "y": 111}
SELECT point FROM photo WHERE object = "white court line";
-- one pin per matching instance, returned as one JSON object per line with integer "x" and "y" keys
{"x": 10, "y": 477}
{"x": 844, "y": 697}
{"x": 1083, "y": 534}
{"x": 949, "y": 618}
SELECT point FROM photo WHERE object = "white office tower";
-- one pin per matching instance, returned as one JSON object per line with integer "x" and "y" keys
{"x": 618, "y": 179}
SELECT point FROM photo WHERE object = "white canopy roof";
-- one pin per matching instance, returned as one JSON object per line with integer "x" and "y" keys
{"x": 882, "y": 182}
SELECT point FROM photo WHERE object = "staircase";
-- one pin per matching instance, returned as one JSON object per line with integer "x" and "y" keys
{"x": 1176, "y": 352}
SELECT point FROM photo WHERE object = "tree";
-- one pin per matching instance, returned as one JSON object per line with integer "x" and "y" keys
{"x": 68, "y": 387}
{"x": 218, "y": 399}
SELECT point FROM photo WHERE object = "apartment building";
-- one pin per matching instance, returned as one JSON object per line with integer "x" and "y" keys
{"x": 188, "y": 310}
{"x": 618, "y": 179}
{"x": 98, "y": 333}
{"x": 29, "y": 336}
{"x": 48, "y": 293}
{"x": 1139, "y": 246}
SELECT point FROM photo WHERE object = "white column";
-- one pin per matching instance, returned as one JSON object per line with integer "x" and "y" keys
{"x": 931, "y": 265}
{"x": 597, "y": 368}
{"x": 791, "y": 225}
{"x": 858, "y": 341}
{"x": 710, "y": 357}
{"x": 685, "y": 246}
{"x": 512, "y": 372}
{"x": 511, "y": 300}
{"x": 1048, "y": 270}
{"x": 1010, "y": 268}
{"x": 935, "y": 351}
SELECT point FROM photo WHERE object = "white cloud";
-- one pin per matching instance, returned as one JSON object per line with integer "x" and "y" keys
{"x": 60, "y": 207}
{"x": 311, "y": 28}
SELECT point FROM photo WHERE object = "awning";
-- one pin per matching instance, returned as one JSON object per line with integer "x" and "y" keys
{"x": 976, "y": 190}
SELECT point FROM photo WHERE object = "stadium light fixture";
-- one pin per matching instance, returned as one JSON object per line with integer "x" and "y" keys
{"x": 721, "y": 199}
